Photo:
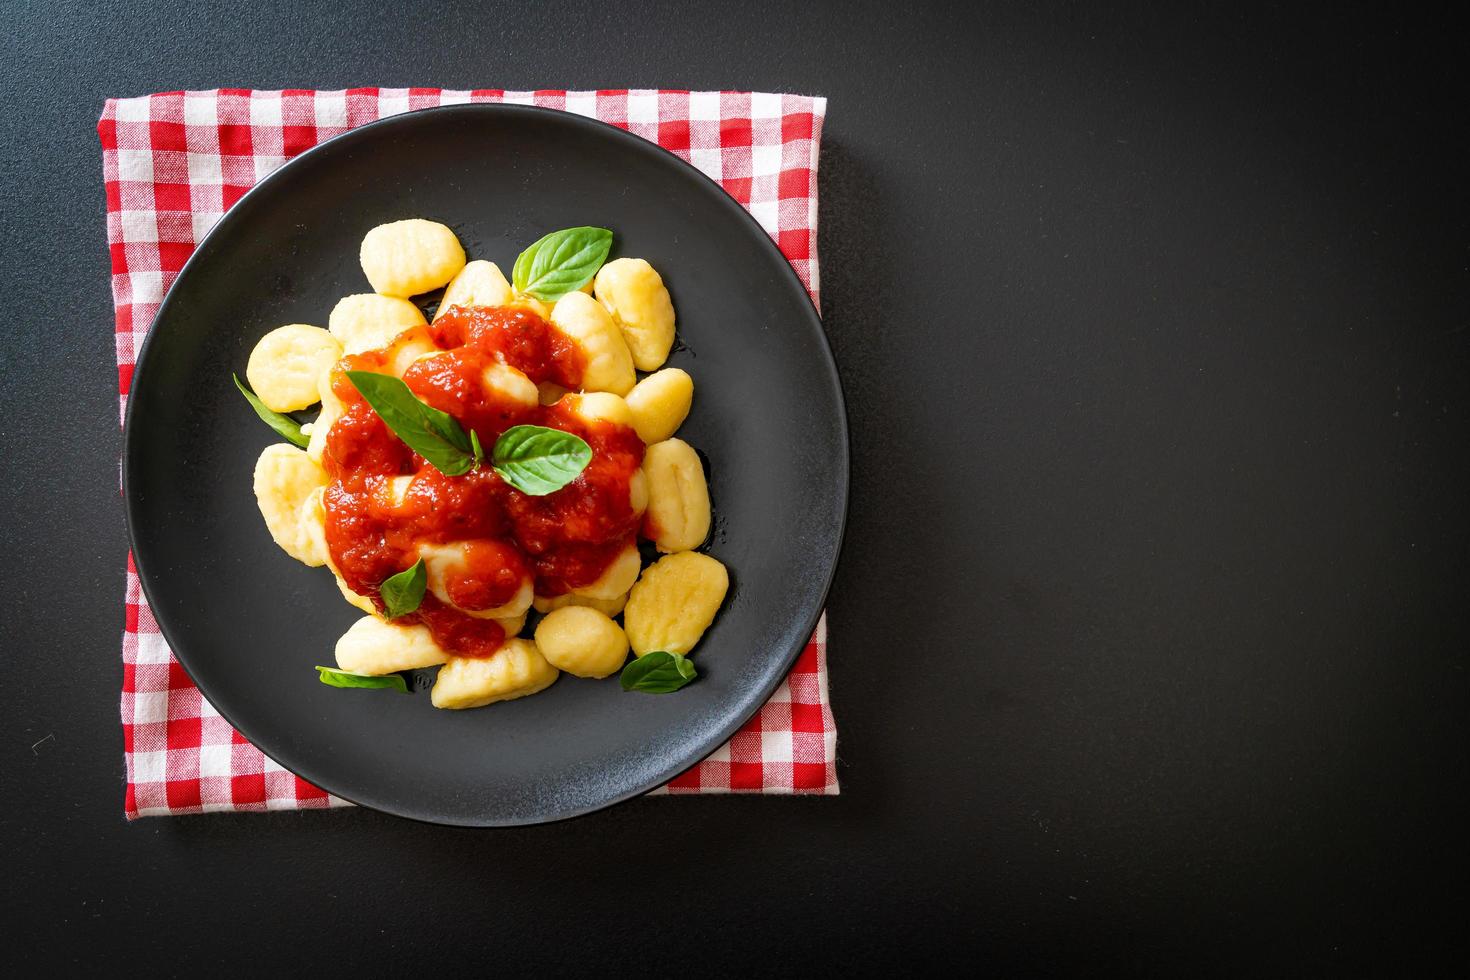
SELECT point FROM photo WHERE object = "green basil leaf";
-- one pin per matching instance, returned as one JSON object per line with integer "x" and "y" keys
{"x": 332, "y": 677}
{"x": 285, "y": 426}
{"x": 658, "y": 672}
{"x": 433, "y": 434}
{"x": 561, "y": 262}
{"x": 537, "y": 460}
{"x": 478, "y": 449}
{"x": 402, "y": 593}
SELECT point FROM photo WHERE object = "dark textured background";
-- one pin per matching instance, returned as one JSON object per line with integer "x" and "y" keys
{"x": 1150, "y": 632}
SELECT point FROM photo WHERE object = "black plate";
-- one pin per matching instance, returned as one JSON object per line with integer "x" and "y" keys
{"x": 248, "y": 623}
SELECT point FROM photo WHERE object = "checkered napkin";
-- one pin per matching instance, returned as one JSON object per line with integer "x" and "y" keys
{"x": 174, "y": 162}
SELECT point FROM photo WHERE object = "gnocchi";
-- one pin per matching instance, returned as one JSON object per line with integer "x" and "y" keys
{"x": 638, "y": 492}
{"x": 285, "y": 480}
{"x": 316, "y": 445}
{"x": 634, "y": 294}
{"x": 469, "y": 544}
{"x": 479, "y": 283}
{"x": 353, "y": 599}
{"x": 406, "y": 258}
{"x": 285, "y": 364}
{"x": 460, "y": 561}
{"x": 678, "y": 515}
{"x": 674, "y": 602}
{"x": 514, "y": 624}
{"x": 582, "y": 641}
{"x": 409, "y": 346}
{"x": 515, "y": 670}
{"x": 608, "y": 607}
{"x": 522, "y": 301}
{"x": 368, "y": 321}
{"x": 660, "y": 403}
{"x": 313, "y": 518}
{"x": 617, "y": 579}
{"x": 602, "y": 406}
{"x": 374, "y": 647}
{"x": 504, "y": 380}
{"x": 609, "y": 365}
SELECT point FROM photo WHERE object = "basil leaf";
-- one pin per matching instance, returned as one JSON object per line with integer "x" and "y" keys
{"x": 537, "y": 460}
{"x": 402, "y": 593}
{"x": 285, "y": 426}
{"x": 561, "y": 262}
{"x": 332, "y": 677}
{"x": 478, "y": 449}
{"x": 658, "y": 672}
{"x": 433, "y": 434}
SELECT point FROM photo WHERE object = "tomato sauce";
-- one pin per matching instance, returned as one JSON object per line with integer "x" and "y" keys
{"x": 386, "y": 506}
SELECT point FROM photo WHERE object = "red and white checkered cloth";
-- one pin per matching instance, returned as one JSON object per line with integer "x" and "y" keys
{"x": 174, "y": 162}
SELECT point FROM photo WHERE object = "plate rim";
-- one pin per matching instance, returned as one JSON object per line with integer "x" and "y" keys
{"x": 695, "y": 751}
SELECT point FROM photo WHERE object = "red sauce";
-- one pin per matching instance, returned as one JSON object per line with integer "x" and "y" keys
{"x": 385, "y": 503}
{"x": 518, "y": 337}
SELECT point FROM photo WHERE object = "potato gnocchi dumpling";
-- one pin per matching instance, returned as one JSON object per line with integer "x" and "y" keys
{"x": 353, "y": 599}
{"x": 372, "y": 646}
{"x": 609, "y": 365}
{"x": 582, "y": 641}
{"x": 617, "y": 579}
{"x": 506, "y": 381}
{"x": 603, "y": 406}
{"x": 368, "y": 321}
{"x": 638, "y": 492}
{"x": 285, "y": 364}
{"x": 331, "y": 411}
{"x": 411, "y": 345}
{"x": 634, "y": 293}
{"x": 608, "y": 607}
{"x": 678, "y": 515}
{"x": 479, "y": 283}
{"x": 674, "y": 603}
{"x": 313, "y": 518}
{"x": 443, "y": 561}
{"x": 406, "y": 258}
{"x": 514, "y": 671}
{"x": 285, "y": 479}
{"x": 660, "y": 403}
{"x": 524, "y": 302}
{"x": 513, "y": 625}
{"x": 435, "y": 499}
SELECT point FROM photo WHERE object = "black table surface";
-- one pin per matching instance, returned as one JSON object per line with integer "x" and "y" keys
{"x": 1149, "y": 636}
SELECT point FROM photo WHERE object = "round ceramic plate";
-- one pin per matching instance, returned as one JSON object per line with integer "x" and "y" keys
{"x": 248, "y": 623}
